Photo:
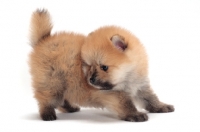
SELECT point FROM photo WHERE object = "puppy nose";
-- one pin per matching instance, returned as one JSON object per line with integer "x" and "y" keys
{"x": 92, "y": 80}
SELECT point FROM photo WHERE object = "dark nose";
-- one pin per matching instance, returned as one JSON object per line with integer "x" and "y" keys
{"x": 92, "y": 80}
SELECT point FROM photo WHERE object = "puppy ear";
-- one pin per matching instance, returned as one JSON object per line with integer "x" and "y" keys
{"x": 118, "y": 42}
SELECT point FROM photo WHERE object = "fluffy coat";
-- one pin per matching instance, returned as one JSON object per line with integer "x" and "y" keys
{"x": 57, "y": 76}
{"x": 71, "y": 70}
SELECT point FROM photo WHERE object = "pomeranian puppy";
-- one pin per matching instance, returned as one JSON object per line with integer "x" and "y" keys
{"x": 60, "y": 77}
{"x": 114, "y": 59}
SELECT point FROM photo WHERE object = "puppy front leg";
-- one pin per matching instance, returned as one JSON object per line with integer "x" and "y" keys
{"x": 120, "y": 103}
{"x": 152, "y": 103}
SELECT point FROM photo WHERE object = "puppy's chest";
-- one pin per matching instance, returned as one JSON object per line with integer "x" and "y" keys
{"x": 132, "y": 88}
{"x": 133, "y": 85}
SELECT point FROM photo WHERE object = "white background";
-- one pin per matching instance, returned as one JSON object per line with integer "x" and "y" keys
{"x": 169, "y": 29}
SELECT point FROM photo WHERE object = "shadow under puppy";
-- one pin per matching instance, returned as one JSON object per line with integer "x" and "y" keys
{"x": 58, "y": 79}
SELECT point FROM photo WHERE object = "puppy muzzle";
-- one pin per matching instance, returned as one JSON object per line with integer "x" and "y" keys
{"x": 98, "y": 83}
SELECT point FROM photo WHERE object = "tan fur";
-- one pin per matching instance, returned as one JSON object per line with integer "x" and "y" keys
{"x": 40, "y": 27}
{"x": 58, "y": 79}
{"x": 127, "y": 64}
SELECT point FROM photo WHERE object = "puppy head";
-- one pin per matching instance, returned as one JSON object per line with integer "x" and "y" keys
{"x": 107, "y": 58}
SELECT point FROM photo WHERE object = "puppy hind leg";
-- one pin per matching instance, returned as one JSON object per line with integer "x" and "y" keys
{"x": 67, "y": 107}
{"x": 47, "y": 112}
{"x": 152, "y": 103}
{"x": 47, "y": 101}
{"x": 46, "y": 105}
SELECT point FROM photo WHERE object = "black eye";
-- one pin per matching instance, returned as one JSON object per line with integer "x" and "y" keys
{"x": 104, "y": 68}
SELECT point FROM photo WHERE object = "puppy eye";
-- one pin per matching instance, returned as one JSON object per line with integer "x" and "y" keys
{"x": 104, "y": 68}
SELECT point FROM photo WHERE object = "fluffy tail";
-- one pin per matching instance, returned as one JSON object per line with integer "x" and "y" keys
{"x": 40, "y": 26}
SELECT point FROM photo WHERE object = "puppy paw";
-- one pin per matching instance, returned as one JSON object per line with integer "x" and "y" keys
{"x": 162, "y": 109}
{"x": 50, "y": 116}
{"x": 137, "y": 117}
{"x": 67, "y": 107}
{"x": 73, "y": 109}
